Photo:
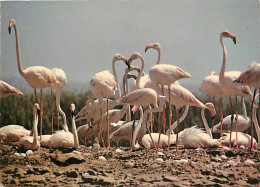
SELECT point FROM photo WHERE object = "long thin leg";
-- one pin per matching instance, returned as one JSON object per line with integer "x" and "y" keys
{"x": 178, "y": 129}
{"x": 52, "y": 113}
{"x": 160, "y": 123}
{"x": 251, "y": 120}
{"x": 170, "y": 118}
{"x": 108, "y": 141}
{"x": 236, "y": 121}
{"x": 213, "y": 121}
{"x": 232, "y": 117}
{"x": 164, "y": 113}
{"x": 149, "y": 133}
{"x": 221, "y": 116}
{"x": 41, "y": 114}
{"x": 58, "y": 122}
{"x": 35, "y": 95}
{"x": 99, "y": 125}
{"x": 151, "y": 121}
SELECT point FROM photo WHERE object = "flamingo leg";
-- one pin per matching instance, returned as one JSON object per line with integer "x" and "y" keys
{"x": 170, "y": 119}
{"x": 178, "y": 129}
{"x": 236, "y": 122}
{"x": 52, "y": 113}
{"x": 213, "y": 121}
{"x": 221, "y": 116}
{"x": 41, "y": 114}
{"x": 99, "y": 125}
{"x": 108, "y": 141}
{"x": 132, "y": 138}
{"x": 57, "y": 114}
{"x": 151, "y": 121}
{"x": 251, "y": 121}
{"x": 232, "y": 117}
{"x": 162, "y": 115}
{"x": 35, "y": 95}
{"x": 149, "y": 132}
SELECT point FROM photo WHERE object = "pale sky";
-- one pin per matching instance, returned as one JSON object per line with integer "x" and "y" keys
{"x": 82, "y": 37}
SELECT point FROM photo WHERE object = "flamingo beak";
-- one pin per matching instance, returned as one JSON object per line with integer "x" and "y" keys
{"x": 16, "y": 91}
{"x": 148, "y": 47}
{"x": 9, "y": 30}
{"x": 234, "y": 40}
{"x": 213, "y": 117}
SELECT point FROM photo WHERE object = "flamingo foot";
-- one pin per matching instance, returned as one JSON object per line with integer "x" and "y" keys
{"x": 253, "y": 150}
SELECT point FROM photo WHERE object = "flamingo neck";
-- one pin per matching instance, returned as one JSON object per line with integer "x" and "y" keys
{"x": 35, "y": 133}
{"x": 140, "y": 126}
{"x": 115, "y": 75}
{"x": 65, "y": 126}
{"x": 140, "y": 74}
{"x": 205, "y": 122}
{"x": 75, "y": 134}
{"x": 223, "y": 67}
{"x": 243, "y": 106}
{"x": 18, "y": 56}
{"x": 159, "y": 56}
{"x": 125, "y": 87}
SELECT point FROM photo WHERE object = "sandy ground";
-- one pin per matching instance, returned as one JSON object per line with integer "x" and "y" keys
{"x": 121, "y": 167}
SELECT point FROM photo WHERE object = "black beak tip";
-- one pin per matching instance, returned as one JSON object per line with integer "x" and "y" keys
{"x": 234, "y": 40}
{"x": 129, "y": 67}
{"x": 9, "y": 30}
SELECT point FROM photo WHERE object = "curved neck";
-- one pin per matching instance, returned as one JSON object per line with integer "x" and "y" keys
{"x": 141, "y": 124}
{"x": 140, "y": 74}
{"x": 223, "y": 67}
{"x": 65, "y": 126}
{"x": 35, "y": 132}
{"x": 205, "y": 122}
{"x": 125, "y": 88}
{"x": 115, "y": 75}
{"x": 174, "y": 125}
{"x": 75, "y": 134}
{"x": 20, "y": 68}
{"x": 159, "y": 56}
{"x": 256, "y": 125}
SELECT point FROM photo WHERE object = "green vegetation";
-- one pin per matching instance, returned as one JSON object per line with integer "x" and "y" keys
{"x": 18, "y": 110}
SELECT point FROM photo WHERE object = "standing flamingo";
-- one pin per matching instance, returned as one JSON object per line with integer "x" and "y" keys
{"x": 37, "y": 76}
{"x": 210, "y": 85}
{"x": 166, "y": 74}
{"x": 31, "y": 142}
{"x": 251, "y": 78}
{"x": 61, "y": 77}
{"x": 227, "y": 78}
{"x": 102, "y": 85}
{"x": 63, "y": 139}
{"x": 6, "y": 89}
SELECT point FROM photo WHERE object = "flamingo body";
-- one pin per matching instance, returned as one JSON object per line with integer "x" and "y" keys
{"x": 13, "y": 133}
{"x": 146, "y": 140}
{"x": 243, "y": 139}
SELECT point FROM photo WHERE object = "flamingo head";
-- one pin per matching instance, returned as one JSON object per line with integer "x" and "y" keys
{"x": 36, "y": 108}
{"x": 134, "y": 56}
{"x": 155, "y": 46}
{"x": 11, "y": 24}
{"x": 120, "y": 57}
{"x": 211, "y": 108}
{"x": 72, "y": 109}
{"x": 228, "y": 34}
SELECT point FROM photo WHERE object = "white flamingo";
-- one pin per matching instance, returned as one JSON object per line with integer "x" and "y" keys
{"x": 226, "y": 80}
{"x": 166, "y": 74}
{"x": 31, "y": 142}
{"x": 63, "y": 139}
{"x": 38, "y": 77}
{"x": 103, "y": 84}
{"x": 6, "y": 90}
{"x": 61, "y": 77}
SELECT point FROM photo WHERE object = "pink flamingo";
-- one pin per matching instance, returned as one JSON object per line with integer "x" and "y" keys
{"x": 38, "y": 77}
{"x": 6, "y": 90}
{"x": 251, "y": 78}
{"x": 61, "y": 77}
{"x": 210, "y": 85}
{"x": 226, "y": 80}
{"x": 102, "y": 85}
{"x": 31, "y": 142}
{"x": 13, "y": 133}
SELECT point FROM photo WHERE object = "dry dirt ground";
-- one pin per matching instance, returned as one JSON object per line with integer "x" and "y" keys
{"x": 84, "y": 167}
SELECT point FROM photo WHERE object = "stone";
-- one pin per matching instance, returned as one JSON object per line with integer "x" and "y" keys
{"x": 29, "y": 152}
{"x": 101, "y": 158}
{"x": 16, "y": 154}
{"x": 23, "y": 154}
{"x": 223, "y": 157}
{"x": 159, "y": 161}
{"x": 129, "y": 164}
{"x": 118, "y": 151}
{"x": 249, "y": 162}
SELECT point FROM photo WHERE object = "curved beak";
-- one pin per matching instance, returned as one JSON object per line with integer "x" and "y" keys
{"x": 148, "y": 47}
{"x": 234, "y": 40}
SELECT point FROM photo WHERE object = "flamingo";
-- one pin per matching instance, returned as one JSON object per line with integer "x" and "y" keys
{"x": 166, "y": 74}
{"x": 83, "y": 132}
{"x": 13, "y": 133}
{"x": 146, "y": 140}
{"x": 61, "y": 77}
{"x": 63, "y": 139}
{"x": 243, "y": 122}
{"x": 31, "y": 142}
{"x": 210, "y": 85}
{"x": 103, "y": 84}
{"x": 227, "y": 78}
{"x": 6, "y": 90}
{"x": 38, "y": 77}
{"x": 251, "y": 78}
